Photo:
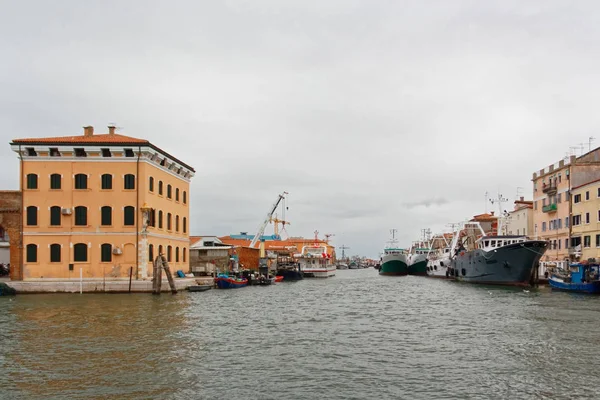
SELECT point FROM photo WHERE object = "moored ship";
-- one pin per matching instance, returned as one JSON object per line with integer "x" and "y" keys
{"x": 393, "y": 259}
{"x": 315, "y": 262}
{"x": 417, "y": 260}
{"x": 487, "y": 259}
{"x": 438, "y": 264}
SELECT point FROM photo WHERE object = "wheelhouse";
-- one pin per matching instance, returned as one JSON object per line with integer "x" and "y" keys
{"x": 488, "y": 243}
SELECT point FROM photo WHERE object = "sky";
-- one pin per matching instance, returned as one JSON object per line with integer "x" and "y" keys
{"x": 373, "y": 115}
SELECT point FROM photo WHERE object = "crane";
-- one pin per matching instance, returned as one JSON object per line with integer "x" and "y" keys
{"x": 262, "y": 226}
{"x": 327, "y": 236}
{"x": 276, "y": 221}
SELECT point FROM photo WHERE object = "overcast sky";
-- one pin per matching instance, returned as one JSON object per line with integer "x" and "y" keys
{"x": 372, "y": 114}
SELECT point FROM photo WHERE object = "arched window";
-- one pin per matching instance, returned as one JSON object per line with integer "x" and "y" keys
{"x": 55, "y": 181}
{"x": 169, "y": 191}
{"x": 151, "y": 184}
{"x": 160, "y": 219}
{"x": 81, "y": 216}
{"x": 176, "y": 254}
{"x": 106, "y": 216}
{"x": 184, "y": 254}
{"x": 184, "y": 197}
{"x": 107, "y": 181}
{"x": 151, "y": 252}
{"x": 55, "y": 252}
{"x": 160, "y": 188}
{"x": 106, "y": 252}
{"x": 168, "y": 221}
{"x": 184, "y": 225}
{"x": 32, "y": 253}
{"x": 169, "y": 253}
{"x": 177, "y": 223}
{"x": 81, "y": 181}
{"x": 80, "y": 252}
{"x": 129, "y": 216}
{"x": 129, "y": 181}
{"x": 32, "y": 181}
{"x": 177, "y": 194}
{"x": 160, "y": 250}
{"x": 55, "y": 216}
{"x": 32, "y": 216}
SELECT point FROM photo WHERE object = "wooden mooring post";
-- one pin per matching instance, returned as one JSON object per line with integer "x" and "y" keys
{"x": 159, "y": 262}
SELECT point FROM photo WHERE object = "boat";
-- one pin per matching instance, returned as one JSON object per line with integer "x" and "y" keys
{"x": 279, "y": 278}
{"x": 199, "y": 288}
{"x": 224, "y": 281}
{"x": 581, "y": 278}
{"x": 393, "y": 259}
{"x": 342, "y": 266}
{"x": 438, "y": 264}
{"x": 315, "y": 262}
{"x": 417, "y": 258}
{"x": 477, "y": 257}
{"x": 353, "y": 265}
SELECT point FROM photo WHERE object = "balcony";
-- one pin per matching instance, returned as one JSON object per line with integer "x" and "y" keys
{"x": 549, "y": 188}
{"x": 549, "y": 208}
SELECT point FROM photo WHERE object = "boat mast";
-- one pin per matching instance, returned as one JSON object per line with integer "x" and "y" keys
{"x": 499, "y": 200}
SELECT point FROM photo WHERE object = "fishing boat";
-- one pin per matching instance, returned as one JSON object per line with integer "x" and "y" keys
{"x": 477, "y": 257}
{"x": 342, "y": 266}
{"x": 393, "y": 259}
{"x": 315, "y": 261}
{"x": 581, "y": 278}
{"x": 278, "y": 278}
{"x": 438, "y": 264}
{"x": 224, "y": 281}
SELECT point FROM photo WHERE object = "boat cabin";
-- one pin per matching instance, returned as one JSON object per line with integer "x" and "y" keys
{"x": 421, "y": 250}
{"x": 393, "y": 252}
{"x": 488, "y": 243}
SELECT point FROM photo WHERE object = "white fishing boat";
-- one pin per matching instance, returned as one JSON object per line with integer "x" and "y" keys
{"x": 315, "y": 262}
{"x": 439, "y": 257}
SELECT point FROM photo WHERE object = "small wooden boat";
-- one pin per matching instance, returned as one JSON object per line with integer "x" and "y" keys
{"x": 582, "y": 278}
{"x": 227, "y": 282}
{"x": 278, "y": 278}
{"x": 199, "y": 288}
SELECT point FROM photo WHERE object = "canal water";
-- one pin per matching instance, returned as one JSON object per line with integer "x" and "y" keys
{"x": 355, "y": 336}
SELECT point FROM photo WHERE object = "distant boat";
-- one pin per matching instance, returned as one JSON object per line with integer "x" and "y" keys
{"x": 353, "y": 265}
{"x": 315, "y": 262}
{"x": 417, "y": 261}
{"x": 581, "y": 279}
{"x": 342, "y": 266}
{"x": 226, "y": 282}
{"x": 278, "y": 278}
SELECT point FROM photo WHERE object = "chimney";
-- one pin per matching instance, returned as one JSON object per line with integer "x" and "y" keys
{"x": 88, "y": 131}
{"x": 522, "y": 198}
{"x": 111, "y": 130}
{"x": 492, "y": 213}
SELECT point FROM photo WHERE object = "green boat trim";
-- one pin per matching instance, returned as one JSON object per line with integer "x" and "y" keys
{"x": 394, "y": 267}
{"x": 419, "y": 268}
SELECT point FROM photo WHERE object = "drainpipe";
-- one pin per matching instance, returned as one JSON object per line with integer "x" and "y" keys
{"x": 137, "y": 212}
{"x": 20, "y": 275}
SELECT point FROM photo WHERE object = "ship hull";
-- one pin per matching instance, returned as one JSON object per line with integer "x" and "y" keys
{"x": 439, "y": 268}
{"x": 418, "y": 265}
{"x": 508, "y": 265}
{"x": 394, "y": 265}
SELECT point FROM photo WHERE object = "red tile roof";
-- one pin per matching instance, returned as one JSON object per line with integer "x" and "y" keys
{"x": 93, "y": 139}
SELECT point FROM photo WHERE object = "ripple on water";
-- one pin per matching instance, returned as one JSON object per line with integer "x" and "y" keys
{"x": 354, "y": 336}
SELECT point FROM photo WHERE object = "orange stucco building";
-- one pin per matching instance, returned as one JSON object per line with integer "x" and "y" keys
{"x": 102, "y": 203}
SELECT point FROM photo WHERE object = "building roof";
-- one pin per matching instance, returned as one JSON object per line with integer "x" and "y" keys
{"x": 484, "y": 217}
{"x": 104, "y": 138}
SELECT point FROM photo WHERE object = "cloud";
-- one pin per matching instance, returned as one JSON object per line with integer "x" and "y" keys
{"x": 372, "y": 114}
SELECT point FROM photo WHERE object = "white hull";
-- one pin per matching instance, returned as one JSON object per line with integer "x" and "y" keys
{"x": 415, "y": 258}
{"x": 394, "y": 257}
{"x": 310, "y": 271}
{"x": 438, "y": 268}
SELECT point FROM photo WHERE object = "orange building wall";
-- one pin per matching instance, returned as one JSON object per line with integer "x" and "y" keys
{"x": 94, "y": 234}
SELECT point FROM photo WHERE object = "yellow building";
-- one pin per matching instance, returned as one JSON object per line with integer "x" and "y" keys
{"x": 585, "y": 232}
{"x": 101, "y": 203}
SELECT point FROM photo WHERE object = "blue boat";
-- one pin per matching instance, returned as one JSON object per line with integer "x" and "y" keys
{"x": 582, "y": 278}
{"x": 224, "y": 281}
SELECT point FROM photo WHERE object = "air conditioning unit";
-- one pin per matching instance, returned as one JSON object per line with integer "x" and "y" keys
{"x": 117, "y": 250}
{"x": 66, "y": 211}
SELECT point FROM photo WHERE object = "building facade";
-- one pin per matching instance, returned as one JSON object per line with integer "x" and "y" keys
{"x": 585, "y": 232}
{"x": 101, "y": 205}
{"x": 551, "y": 210}
{"x": 520, "y": 220}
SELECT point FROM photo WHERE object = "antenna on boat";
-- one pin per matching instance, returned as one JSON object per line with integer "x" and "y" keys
{"x": 486, "y": 201}
{"x": 499, "y": 200}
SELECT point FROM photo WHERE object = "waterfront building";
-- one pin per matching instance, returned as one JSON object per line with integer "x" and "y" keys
{"x": 102, "y": 204}
{"x": 585, "y": 232}
{"x": 520, "y": 219}
{"x": 208, "y": 254}
{"x": 551, "y": 210}
{"x": 4, "y": 247}
{"x": 488, "y": 222}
